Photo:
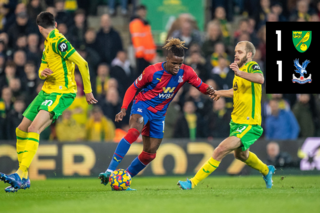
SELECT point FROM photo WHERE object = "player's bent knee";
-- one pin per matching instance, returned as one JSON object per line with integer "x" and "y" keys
{"x": 240, "y": 156}
{"x": 146, "y": 157}
{"x": 32, "y": 128}
{"x": 132, "y": 135}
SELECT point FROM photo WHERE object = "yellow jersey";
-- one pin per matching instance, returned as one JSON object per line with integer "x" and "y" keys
{"x": 60, "y": 56}
{"x": 247, "y": 97}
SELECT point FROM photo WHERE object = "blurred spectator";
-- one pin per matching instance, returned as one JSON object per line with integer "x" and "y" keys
{"x": 99, "y": 128}
{"x": 34, "y": 7}
{"x": 219, "y": 51}
{"x": 214, "y": 36}
{"x": 80, "y": 108}
{"x": 112, "y": 7}
{"x": 172, "y": 115}
{"x": 122, "y": 71}
{"x": 108, "y": 39}
{"x": 197, "y": 62}
{"x": 245, "y": 28}
{"x": 63, "y": 29}
{"x": 277, "y": 158}
{"x": 142, "y": 40}
{"x": 282, "y": 103}
{"x": 22, "y": 26}
{"x": 6, "y": 101}
{"x": 2, "y": 67}
{"x": 257, "y": 58}
{"x": 103, "y": 76}
{"x": 189, "y": 124}
{"x": 68, "y": 129}
{"x": 20, "y": 59}
{"x": 262, "y": 35}
{"x": 188, "y": 35}
{"x": 302, "y": 11}
{"x": 21, "y": 43}
{"x": 62, "y": 16}
{"x": 302, "y": 111}
{"x": 112, "y": 105}
{"x": 277, "y": 9}
{"x": 90, "y": 39}
{"x": 14, "y": 118}
{"x": 15, "y": 86}
{"x": 184, "y": 17}
{"x": 10, "y": 73}
{"x": 261, "y": 13}
{"x": 281, "y": 124}
{"x": 33, "y": 53}
{"x": 222, "y": 74}
{"x": 78, "y": 30}
{"x": 220, "y": 15}
{"x": 217, "y": 121}
{"x": 203, "y": 103}
{"x": 31, "y": 81}
{"x": 11, "y": 18}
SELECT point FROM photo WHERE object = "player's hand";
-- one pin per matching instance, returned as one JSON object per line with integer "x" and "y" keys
{"x": 46, "y": 72}
{"x": 216, "y": 95}
{"x": 91, "y": 99}
{"x": 120, "y": 115}
{"x": 235, "y": 68}
{"x": 210, "y": 90}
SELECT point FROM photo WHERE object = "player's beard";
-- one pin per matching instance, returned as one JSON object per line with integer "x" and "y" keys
{"x": 242, "y": 61}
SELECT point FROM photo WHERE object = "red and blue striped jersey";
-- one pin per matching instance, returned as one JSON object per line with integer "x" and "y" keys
{"x": 159, "y": 86}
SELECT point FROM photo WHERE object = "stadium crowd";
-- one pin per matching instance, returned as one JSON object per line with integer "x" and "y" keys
{"x": 190, "y": 115}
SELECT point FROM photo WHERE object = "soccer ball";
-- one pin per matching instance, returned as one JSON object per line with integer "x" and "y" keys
{"x": 120, "y": 180}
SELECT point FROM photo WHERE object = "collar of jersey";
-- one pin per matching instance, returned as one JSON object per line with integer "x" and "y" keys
{"x": 164, "y": 68}
{"x": 52, "y": 33}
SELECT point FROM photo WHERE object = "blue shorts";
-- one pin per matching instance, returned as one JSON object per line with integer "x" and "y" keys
{"x": 153, "y": 123}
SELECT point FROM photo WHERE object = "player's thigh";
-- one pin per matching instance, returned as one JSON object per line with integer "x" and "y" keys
{"x": 225, "y": 147}
{"x": 150, "y": 144}
{"x": 42, "y": 118}
{"x": 24, "y": 125}
{"x": 240, "y": 154}
{"x": 32, "y": 110}
{"x": 45, "y": 125}
{"x": 136, "y": 121}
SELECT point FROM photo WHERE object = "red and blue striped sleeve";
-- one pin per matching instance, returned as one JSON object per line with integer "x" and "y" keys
{"x": 144, "y": 78}
{"x": 194, "y": 80}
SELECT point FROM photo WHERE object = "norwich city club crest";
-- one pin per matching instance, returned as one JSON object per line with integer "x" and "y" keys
{"x": 301, "y": 40}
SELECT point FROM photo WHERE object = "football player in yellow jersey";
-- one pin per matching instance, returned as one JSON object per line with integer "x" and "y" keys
{"x": 245, "y": 125}
{"x": 58, "y": 92}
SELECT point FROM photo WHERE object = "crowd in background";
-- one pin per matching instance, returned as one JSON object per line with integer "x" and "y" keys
{"x": 191, "y": 114}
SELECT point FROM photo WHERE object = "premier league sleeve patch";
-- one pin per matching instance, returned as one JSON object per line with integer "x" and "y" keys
{"x": 63, "y": 46}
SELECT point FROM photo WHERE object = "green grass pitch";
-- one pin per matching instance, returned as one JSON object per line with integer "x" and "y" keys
{"x": 161, "y": 194}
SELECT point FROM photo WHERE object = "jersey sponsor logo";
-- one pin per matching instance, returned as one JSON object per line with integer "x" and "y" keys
{"x": 301, "y": 69}
{"x": 180, "y": 79}
{"x": 167, "y": 92}
{"x": 47, "y": 103}
{"x": 256, "y": 67}
{"x": 235, "y": 86}
{"x": 63, "y": 47}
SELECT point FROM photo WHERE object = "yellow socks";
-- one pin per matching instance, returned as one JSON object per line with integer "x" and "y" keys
{"x": 254, "y": 162}
{"x": 205, "y": 171}
{"x": 27, "y": 157}
{"x": 21, "y": 143}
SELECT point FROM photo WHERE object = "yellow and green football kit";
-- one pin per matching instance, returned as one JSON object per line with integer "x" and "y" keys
{"x": 57, "y": 94}
{"x": 246, "y": 115}
{"x": 60, "y": 88}
{"x": 245, "y": 122}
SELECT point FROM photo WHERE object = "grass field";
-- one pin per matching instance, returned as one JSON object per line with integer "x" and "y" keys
{"x": 161, "y": 194}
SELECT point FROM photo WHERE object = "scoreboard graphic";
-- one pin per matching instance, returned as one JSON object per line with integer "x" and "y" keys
{"x": 293, "y": 56}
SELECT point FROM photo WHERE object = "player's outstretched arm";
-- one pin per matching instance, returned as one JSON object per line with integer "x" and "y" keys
{"x": 84, "y": 71}
{"x": 222, "y": 93}
{"x": 253, "y": 77}
{"x": 130, "y": 93}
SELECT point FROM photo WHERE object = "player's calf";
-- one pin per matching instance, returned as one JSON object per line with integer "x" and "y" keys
{"x": 140, "y": 162}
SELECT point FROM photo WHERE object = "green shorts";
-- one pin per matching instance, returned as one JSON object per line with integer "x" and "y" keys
{"x": 55, "y": 103}
{"x": 247, "y": 133}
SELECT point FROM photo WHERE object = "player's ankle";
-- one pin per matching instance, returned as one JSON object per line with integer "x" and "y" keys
{"x": 193, "y": 184}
